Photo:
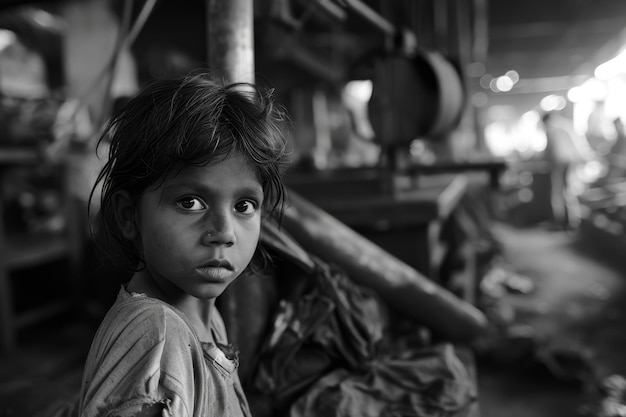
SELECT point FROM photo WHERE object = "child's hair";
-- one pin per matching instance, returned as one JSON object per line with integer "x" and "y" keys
{"x": 189, "y": 121}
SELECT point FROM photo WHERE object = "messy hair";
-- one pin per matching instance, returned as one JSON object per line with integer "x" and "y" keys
{"x": 190, "y": 121}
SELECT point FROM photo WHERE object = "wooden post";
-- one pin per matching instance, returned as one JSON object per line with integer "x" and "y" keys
{"x": 230, "y": 43}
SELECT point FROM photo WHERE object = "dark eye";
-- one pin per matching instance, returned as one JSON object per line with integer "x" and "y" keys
{"x": 191, "y": 204}
{"x": 246, "y": 207}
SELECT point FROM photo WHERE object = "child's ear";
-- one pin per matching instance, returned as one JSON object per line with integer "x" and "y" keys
{"x": 125, "y": 214}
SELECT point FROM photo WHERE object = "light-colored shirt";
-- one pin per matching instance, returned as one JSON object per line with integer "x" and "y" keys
{"x": 146, "y": 358}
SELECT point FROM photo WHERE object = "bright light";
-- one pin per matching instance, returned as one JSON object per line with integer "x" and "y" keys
{"x": 612, "y": 67}
{"x": 584, "y": 98}
{"x": 359, "y": 89}
{"x": 510, "y": 135}
{"x": 513, "y": 75}
{"x": 504, "y": 83}
{"x": 6, "y": 38}
{"x": 580, "y": 115}
{"x": 532, "y": 133}
{"x": 552, "y": 102}
{"x": 592, "y": 89}
{"x": 576, "y": 94}
{"x": 496, "y": 135}
{"x": 355, "y": 95}
{"x": 616, "y": 101}
{"x": 530, "y": 117}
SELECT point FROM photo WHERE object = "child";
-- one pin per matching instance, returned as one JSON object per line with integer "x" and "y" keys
{"x": 193, "y": 166}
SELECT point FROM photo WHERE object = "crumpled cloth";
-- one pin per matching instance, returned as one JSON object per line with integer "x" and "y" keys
{"x": 327, "y": 322}
{"x": 434, "y": 383}
{"x": 328, "y": 354}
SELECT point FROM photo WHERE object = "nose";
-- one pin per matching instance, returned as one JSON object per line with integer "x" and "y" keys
{"x": 219, "y": 229}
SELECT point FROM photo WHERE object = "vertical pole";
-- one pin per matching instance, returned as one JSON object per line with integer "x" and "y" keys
{"x": 245, "y": 305}
{"x": 230, "y": 32}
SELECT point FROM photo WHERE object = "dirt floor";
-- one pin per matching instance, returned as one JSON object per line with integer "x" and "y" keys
{"x": 565, "y": 338}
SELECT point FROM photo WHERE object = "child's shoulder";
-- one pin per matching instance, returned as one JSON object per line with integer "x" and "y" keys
{"x": 141, "y": 344}
{"x": 137, "y": 316}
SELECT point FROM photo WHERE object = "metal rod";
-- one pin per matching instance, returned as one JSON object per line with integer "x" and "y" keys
{"x": 230, "y": 39}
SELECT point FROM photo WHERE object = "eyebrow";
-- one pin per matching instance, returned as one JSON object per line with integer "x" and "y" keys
{"x": 255, "y": 190}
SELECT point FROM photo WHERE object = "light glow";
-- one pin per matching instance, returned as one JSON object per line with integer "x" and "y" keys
{"x": 553, "y": 102}
{"x": 360, "y": 89}
{"x": 7, "y": 38}
{"x": 613, "y": 67}
{"x": 504, "y": 83}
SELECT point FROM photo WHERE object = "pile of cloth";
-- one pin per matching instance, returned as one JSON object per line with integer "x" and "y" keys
{"x": 336, "y": 349}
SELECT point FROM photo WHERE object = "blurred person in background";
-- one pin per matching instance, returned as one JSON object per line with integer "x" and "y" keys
{"x": 565, "y": 151}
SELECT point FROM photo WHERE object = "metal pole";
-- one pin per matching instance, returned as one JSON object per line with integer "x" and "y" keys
{"x": 230, "y": 43}
{"x": 245, "y": 305}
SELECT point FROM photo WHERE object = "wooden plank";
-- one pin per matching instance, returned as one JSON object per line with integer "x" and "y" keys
{"x": 400, "y": 285}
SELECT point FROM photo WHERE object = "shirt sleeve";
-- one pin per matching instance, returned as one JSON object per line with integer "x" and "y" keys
{"x": 144, "y": 361}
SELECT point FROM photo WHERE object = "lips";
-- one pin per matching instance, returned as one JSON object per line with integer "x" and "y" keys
{"x": 216, "y": 271}
{"x": 218, "y": 263}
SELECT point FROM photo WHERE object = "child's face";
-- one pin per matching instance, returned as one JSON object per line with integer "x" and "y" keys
{"x": 199, "y": 230}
